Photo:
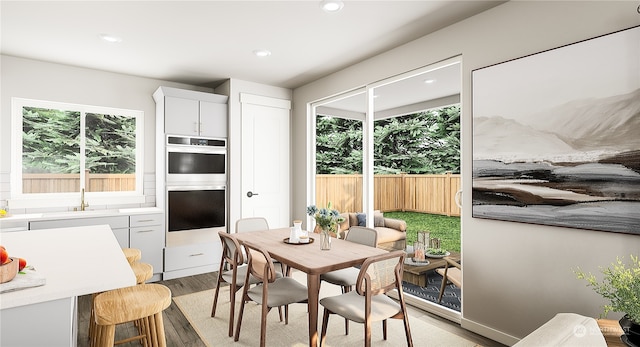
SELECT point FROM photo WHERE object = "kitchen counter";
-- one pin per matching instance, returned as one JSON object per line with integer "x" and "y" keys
{"x": 75, "y": 261}
{"x": 79, "y": 214}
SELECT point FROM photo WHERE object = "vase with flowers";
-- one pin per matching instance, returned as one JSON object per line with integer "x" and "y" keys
{"x": 621, "y": 287}
{"x": 327, "y": 219}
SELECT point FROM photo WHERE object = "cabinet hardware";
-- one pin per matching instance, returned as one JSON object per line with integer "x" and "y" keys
{"x": 195, "y": 255}
{"x": 144, "y": 231}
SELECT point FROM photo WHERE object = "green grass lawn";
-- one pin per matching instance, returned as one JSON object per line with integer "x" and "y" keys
{"x": 447, "y": 229}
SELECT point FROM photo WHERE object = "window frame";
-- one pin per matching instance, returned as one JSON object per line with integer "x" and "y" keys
{"x": 71, "y": 199}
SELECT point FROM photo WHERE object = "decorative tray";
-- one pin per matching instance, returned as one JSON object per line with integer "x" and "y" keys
{"x": 311, "y": 239}
{"x": 437, "y": 255}
{"x": 410, "y": 261}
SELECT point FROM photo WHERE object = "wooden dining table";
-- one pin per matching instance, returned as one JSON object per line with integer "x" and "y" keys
{"x": 310, "y": 259}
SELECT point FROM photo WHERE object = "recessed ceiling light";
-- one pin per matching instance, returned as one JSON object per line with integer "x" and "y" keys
{"x": 110, "y": 38}
{"x": 429, "y": 81}
{"x": 262, "y": 53}
{"x": 332, "y": 5}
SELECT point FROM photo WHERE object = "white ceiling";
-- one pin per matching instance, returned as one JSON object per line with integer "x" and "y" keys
{"x": 206, "y": 42}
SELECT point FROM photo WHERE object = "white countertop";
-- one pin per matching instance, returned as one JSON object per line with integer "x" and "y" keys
{"x": 74, "y": 261}
{"x": 80, "y": 214}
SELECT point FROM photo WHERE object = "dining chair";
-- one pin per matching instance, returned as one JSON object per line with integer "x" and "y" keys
{"x": 451, "y": 273}
{"x": 346, "y": 278}
{"x": 233, "y": 271}
{"x": 251, "y": 224}
{"x": 256, "y": 224}
{"x": 368, "y": 303}
{"x": 273, "y": 292}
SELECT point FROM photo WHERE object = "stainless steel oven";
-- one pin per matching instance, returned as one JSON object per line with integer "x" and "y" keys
{"x": 196, "y": 160}
{"x": 193, "y": 211}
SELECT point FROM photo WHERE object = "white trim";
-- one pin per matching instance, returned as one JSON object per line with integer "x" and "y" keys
{"x": 20, "y": 200}
{"x": 488, "y": 332}
{"x": 246, "y": 98}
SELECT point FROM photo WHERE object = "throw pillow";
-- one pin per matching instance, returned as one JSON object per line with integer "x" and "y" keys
{"x": 378, "y": 220}
{"x": 362, "y": 219}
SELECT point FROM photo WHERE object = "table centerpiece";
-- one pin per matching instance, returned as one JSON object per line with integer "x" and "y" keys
{"x": 327, "y": 219}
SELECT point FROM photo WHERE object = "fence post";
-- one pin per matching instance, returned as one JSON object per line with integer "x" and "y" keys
{"x": 447, "y": 193}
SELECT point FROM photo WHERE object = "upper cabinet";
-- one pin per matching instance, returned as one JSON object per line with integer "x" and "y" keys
{"x": 191, "y": 113}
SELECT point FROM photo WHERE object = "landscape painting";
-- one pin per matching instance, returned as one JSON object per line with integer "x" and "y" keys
{"x": 556, "y": 136}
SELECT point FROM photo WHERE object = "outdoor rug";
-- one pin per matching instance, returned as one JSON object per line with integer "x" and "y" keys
{"x": 213, "y": 331}
{"x": 450, "y": 299}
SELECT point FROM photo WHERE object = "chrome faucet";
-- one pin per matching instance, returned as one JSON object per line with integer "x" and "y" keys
{"x": 83, "y": 204}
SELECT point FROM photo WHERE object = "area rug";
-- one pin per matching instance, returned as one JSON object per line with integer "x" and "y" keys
{"x": 450, "y": 299}
{"x": 213, "y": 331}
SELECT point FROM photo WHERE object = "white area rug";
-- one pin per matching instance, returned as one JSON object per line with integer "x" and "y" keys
{"x": 213, "y": 331}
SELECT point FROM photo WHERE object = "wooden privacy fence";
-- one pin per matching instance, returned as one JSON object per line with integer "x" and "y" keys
{"x": 416, "y": 193}
{"x": 61, "y": 183}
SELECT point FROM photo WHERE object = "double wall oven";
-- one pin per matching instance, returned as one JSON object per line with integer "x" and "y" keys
{"x": 196, "y": 186}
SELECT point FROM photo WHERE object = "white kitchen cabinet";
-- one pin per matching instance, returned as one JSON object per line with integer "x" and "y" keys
{"x": 192, "y": 259}
{"x": 191, "y": 113}
{"x": 146, "y": 233}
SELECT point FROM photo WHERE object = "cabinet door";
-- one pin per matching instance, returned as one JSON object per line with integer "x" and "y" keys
{"x": 213, "y": 119}
{"x": 181, "y": 116}
{"x": 149, "y": 239}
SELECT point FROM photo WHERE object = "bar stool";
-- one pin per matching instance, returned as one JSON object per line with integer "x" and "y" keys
{"x": 143, "y": 271}
{"x": 143, "y": 303}
{"x": 132, "y": 254}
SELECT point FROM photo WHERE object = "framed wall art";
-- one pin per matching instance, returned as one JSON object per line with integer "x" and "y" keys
{"x": 556, "y": 136}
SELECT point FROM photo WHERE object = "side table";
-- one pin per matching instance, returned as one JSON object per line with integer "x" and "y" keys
{"x": 611, "y": 331}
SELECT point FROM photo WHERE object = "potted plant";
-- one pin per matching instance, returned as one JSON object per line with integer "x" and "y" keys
{"x": 621, "y": 287}
{"x": 327, "y": 220}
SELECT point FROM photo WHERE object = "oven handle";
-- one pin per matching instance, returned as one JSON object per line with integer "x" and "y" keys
{"x": 196, "y": 149}
{"x": 171, "y": 188}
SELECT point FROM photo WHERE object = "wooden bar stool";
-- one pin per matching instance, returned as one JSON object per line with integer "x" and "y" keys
{"x": 143, "y": 303}
{"x": 132, "y": 254}
{"x": 143, "y": 271}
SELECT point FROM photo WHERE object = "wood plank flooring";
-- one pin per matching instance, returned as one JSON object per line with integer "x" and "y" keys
{"x": 180, "y": 333}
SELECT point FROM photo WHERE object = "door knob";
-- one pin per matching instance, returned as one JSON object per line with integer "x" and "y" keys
{"x": 250, "y": 194}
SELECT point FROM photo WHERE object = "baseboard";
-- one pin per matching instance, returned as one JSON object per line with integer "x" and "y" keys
{"x": 487, "y": 332}
{"x": 429, "y": 306}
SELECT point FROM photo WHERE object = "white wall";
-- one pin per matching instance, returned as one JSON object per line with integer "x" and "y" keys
{"x": 39, "y": 80}
{"x": 233, "y": 88}
{"x": 516, "y": 276}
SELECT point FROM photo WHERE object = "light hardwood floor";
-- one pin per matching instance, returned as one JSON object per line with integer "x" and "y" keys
{"x": 180, "y": 333}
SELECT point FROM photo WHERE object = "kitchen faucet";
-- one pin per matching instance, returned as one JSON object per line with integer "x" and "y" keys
{"x": 83, "y": 204}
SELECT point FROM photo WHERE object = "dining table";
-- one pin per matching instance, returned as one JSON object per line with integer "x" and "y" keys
{"x": 312, "y": 260}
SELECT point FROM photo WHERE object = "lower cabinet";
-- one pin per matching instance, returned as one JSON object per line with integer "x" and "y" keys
{"x": 192, "y": 259}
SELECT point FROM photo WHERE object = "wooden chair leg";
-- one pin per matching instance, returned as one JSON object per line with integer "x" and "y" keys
{"x": 444, "y": 284}
{"x": 240, "y": 313}
{"x": 384, "y": 329}
{"x": 367, "y": 333}
{"x": 215, "y": 294}
{"x": 263, "y": 323}
{"x": 325, "y": 323}
{"x": 346, "y": 321}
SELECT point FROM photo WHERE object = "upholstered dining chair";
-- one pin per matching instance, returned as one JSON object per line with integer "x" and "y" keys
{"x": 233, "y": 271}
{"x": 346, "y": 278}
{"x": 256, "y": 224}
{"x": 451, "y": 273}
{"x": 273, "y": 292}
{"x": 251, "y": 224}
{"x": 368, "y": 303}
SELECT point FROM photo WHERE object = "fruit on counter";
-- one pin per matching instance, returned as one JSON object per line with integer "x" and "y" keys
{"x": 3, "y": 213}
{"x": 22, "y": 263}
{"x": 4, "y": 255}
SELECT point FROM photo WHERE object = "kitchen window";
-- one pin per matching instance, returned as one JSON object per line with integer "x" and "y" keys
{"x": 59, "y": 149}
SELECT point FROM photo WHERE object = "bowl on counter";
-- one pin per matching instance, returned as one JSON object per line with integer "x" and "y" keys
{"x": 9, "y": 270}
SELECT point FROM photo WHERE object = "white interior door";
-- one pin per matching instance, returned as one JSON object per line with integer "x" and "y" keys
{"x": 266, "y": 159}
